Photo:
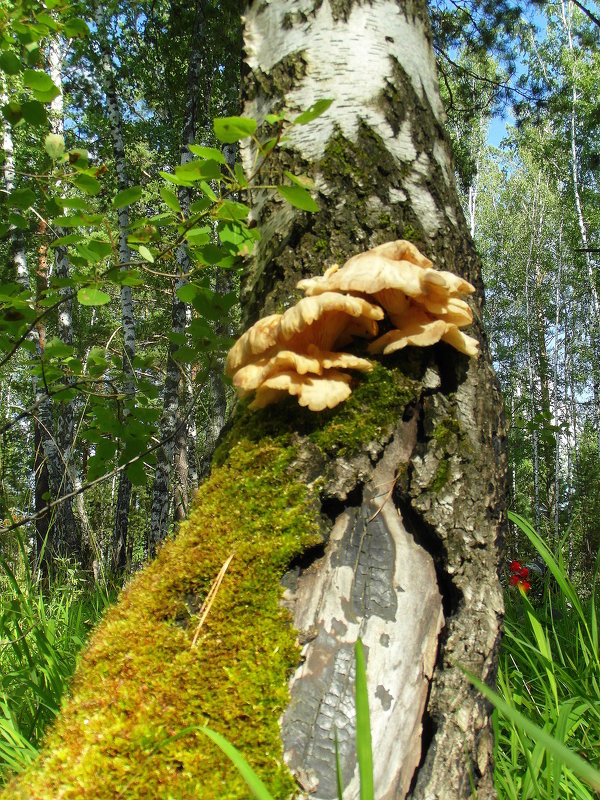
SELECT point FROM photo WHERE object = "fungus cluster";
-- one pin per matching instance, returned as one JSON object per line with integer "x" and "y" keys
{"x": 301, "y": 353}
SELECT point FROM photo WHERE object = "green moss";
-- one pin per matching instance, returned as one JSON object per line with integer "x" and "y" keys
{"x": 441, "y": 476}
{"x": 140, "y": 684}
{"x": 446, "y": 430}
{"x": 129, "y": 728}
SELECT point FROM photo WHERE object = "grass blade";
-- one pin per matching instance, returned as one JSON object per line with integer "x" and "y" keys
{"x": 256, "y": 786}
{"x": 338, "y": 768}
{"x": 364, "y": 749}
{"x": 559, "y": 750}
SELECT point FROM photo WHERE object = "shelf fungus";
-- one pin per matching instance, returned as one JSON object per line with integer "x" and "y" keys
{"x": 299, "y": 353}
{"x": 295, "y": 352}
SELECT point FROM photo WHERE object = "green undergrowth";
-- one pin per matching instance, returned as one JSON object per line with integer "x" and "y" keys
{"x": 130, "y": 725}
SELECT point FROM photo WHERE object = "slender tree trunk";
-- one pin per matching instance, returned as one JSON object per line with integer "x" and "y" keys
{"x": 381, "y": 517}
{"x": 558, "y": 434}
{"x": 65, "y": 537}
{"x": 118, "y": 558}
{"x": 159, "y": 518}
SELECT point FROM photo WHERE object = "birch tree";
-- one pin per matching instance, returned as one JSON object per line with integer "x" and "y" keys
{"x": 380, "y": 518}
{"x": 121, "y": 523}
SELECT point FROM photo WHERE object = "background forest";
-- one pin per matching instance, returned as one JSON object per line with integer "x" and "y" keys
{"x": 122, "y": 234}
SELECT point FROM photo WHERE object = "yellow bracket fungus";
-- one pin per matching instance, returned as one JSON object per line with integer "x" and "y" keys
{"x": 295, "y": 352}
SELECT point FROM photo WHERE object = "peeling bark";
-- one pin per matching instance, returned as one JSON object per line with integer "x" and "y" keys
{"x": 379, "y": 158}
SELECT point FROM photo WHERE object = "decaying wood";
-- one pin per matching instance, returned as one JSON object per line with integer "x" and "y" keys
{"x": 374, "y": 583}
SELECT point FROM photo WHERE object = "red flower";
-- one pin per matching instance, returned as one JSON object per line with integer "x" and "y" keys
{"x": 525, "y": 585}
{"x": 513, "y": 580}
{"x": 515, "y": 566}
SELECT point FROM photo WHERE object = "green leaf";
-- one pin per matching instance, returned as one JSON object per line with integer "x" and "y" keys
{"x": 55, "y": 348}
{"x": 318, "y": 108}
{"x": 87, "y": 184}
{"x": 176, "y": 179}
{"x": 78, "y": 203}
{"x": 145, "y": 253}
{"x": 10, "y": 63}
{"x": 198, "y": 236}
{"x": 200, "y": 205}
{"x": 196, "y": 170}
{"x": 230, "y": 210}
{"x": 208, "y": 152}
{"x": 232, "y": 129}
{"x": 54, "y": 145}
{"x": 75, "y": 28}
{"x": 298, "y": 197}
{"x": 240, "y": 176}
{"x": 18, "y": 221}
{"x": 208, "y": 191}
{"x": 170, "y": 199}
{"x": 364, "y": 752}
{"x": 272, "y": 119}
{"x": 12, "y": 112}
{"x": 78, "y": 158}
{"x": 186, "y": 293}
{"x": 21, "y": 198}
{"x": 71, "y": 238}
{"x": 256, "y": 786}
{"x": 92, "y": 296}
{"x": 76, "y": 220}
{"x": 300, "y": 180}
{"x": 136, "y": 473}
{"x": 186, "y": 355}
{"x": 266, "y": 147}
{"x": 127, "y": 197}
{"x": 99, "y": 246}
{"x": 38, "y": 80}
{"x": 47, "y": 20}
{"x": 46, "y": 97}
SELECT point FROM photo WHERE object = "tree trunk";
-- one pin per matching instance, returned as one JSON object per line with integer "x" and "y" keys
{"x": 121, "y": 522}
{"x": 381, "y": 516}
{"x": 159, "y": 518}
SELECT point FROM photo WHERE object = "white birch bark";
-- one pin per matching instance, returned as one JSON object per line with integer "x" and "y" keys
{"x": 159, "y": 517}
{"x": 121, "y": 520}
{"x": 379, "y": 153}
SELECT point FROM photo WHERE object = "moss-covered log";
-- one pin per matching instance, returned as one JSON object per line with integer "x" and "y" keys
{"x": 371, "y": 519}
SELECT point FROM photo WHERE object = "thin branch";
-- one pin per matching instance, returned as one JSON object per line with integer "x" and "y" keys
{"x": 498, "y": 84}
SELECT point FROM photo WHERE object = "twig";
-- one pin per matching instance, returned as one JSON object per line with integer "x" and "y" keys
{"x": 210, "y": 599}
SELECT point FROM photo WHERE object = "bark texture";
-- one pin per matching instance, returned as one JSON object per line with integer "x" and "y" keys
{"x": 381, "y": 518}
{"x": 118, "y": 558}
{"x": 379, "y": 158}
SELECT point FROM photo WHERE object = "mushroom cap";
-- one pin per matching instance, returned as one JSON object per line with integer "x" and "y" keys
{"x": 328, "y": 321}
{"x": 260, "y": 337}
{"x": 420, "y": 329}
{"x": 321, "y": 320}
{"x": 316, "y": 362}
{"x": 450, "y": 309}
{"x": 315, "y": 392}
{"x": 389, "y": 273}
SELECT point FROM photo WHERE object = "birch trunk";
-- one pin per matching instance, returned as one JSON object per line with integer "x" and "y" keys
{"x": 121, "y": 522}
{"x": 381, "y": 154}
{"x": 300, "y": 496}
{"x": 159, "y": 519}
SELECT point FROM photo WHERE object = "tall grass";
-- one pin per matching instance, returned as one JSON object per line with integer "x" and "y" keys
{"x": 42, "y": 629}
{"x": 548, "y": 727}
